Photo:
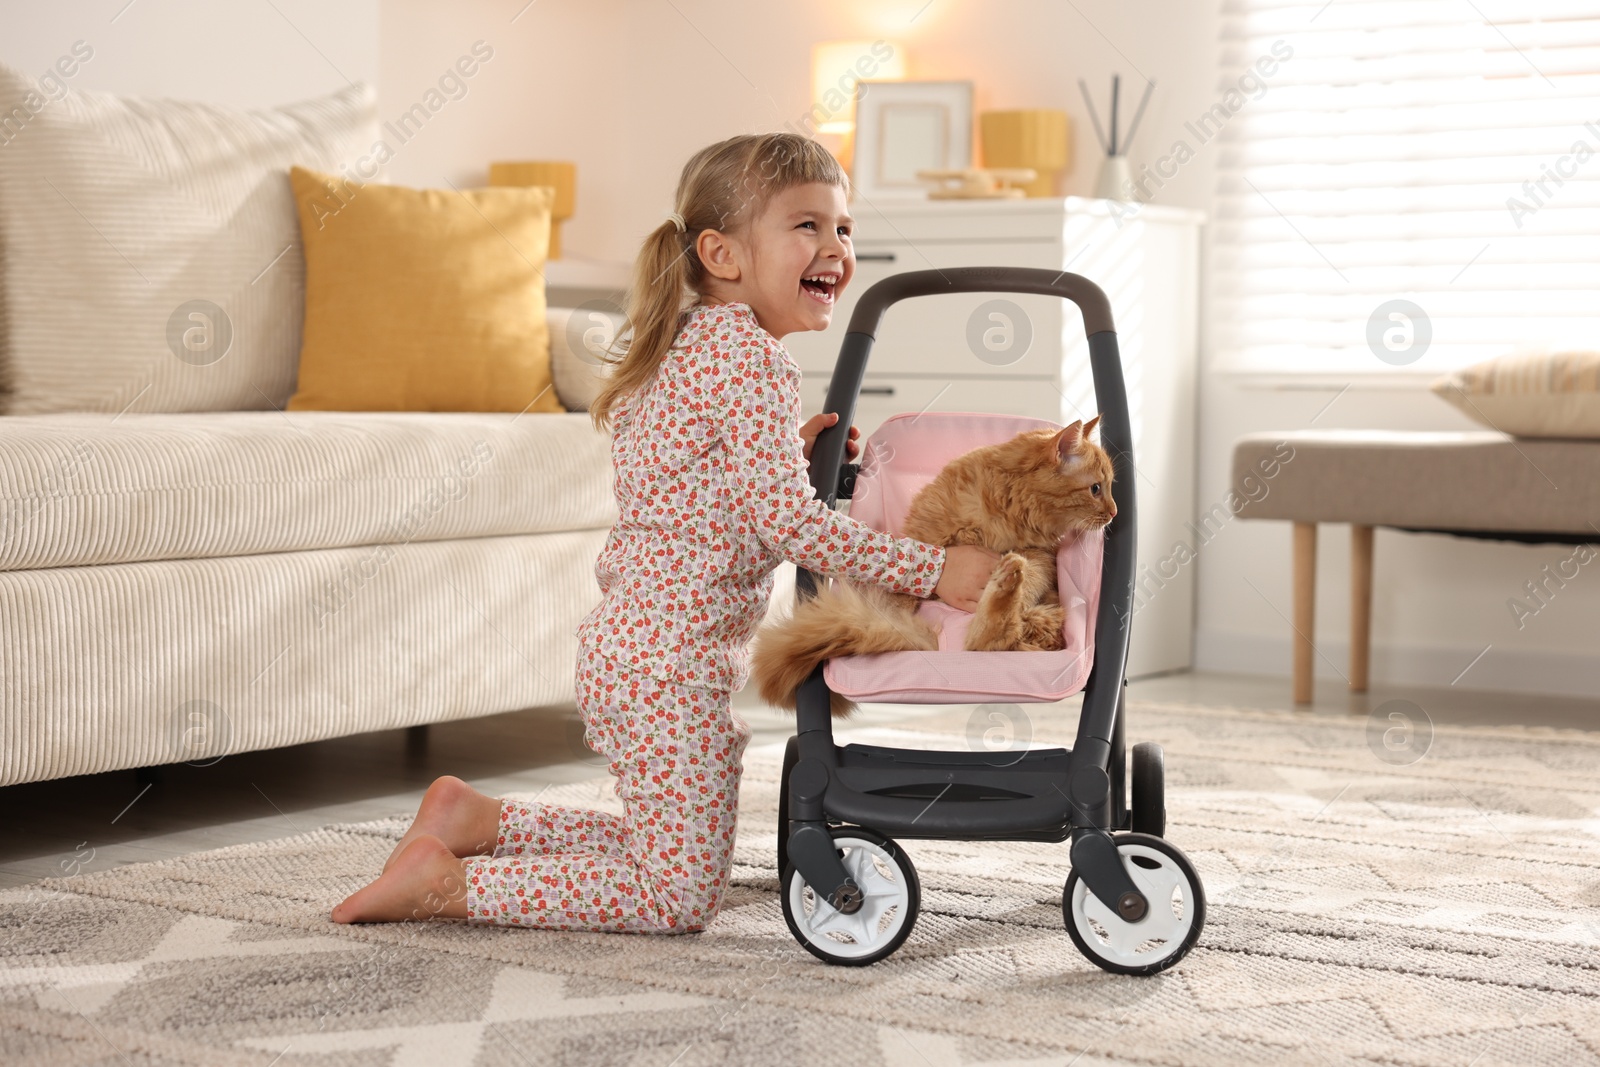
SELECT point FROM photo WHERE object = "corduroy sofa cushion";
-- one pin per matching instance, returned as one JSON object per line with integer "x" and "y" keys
{"x": 82, "y": 488}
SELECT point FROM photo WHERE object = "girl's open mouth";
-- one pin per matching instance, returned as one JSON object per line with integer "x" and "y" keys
{"x": 820, "y": 287}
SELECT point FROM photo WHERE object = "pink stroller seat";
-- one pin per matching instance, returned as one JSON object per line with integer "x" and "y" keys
{"x": 902, "y": 456}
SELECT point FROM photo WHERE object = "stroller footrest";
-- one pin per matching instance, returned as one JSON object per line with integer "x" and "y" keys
{"x": 939, "y": 817}
{"x": 965, "y": 783}
{"x": 877, "y": 756}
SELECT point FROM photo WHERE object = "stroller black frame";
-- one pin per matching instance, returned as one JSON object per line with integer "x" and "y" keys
{"x": 1046, "y": 794}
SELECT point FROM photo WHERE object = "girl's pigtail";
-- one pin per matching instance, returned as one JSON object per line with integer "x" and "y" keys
{"x": 661, "y": 275}
{"x": 722, "y": 187}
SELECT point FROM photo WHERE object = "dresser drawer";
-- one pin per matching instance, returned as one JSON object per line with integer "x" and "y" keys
{"x": 960, "y": 220}
{"x": 982, "y": 335}
{"x": 882, "y": 396}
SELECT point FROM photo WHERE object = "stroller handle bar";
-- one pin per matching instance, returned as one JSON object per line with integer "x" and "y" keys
{"x": 1074, "y": 287}
{"x": 1103, "y": 692}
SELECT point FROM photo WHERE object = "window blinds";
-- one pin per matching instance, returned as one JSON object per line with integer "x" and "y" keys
{"x": 1418, "y": 184}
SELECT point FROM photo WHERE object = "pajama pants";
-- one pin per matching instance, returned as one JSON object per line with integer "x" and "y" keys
{"x": 662, "y": 866}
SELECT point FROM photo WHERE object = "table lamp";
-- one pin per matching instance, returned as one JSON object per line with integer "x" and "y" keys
{"x": 837, "y": 69}
{"x": 562, "y": 177}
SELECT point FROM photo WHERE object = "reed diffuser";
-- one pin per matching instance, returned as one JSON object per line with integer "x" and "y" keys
{"x": 1116, "y": 176}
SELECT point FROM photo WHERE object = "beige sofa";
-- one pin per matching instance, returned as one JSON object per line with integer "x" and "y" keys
{"x": 177, "y": 587}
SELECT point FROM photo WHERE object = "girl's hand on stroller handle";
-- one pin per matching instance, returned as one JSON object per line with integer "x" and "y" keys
{"x": 817, "y": 423}
{"x": 966, "y": 572}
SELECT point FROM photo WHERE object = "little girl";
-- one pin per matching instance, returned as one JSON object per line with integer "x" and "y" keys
{"x": 712, "y": 493}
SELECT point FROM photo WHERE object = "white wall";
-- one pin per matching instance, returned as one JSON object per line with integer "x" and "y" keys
{"x": 556, "y": 88}
{"x": 238, "y": 54}
{"x": 717, "y": 69}
{"x": 629, "y": 88}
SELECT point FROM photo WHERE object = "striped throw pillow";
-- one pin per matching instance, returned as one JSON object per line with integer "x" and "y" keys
{"x": 152, "y": 250}
{"x": 1530, "y": 393}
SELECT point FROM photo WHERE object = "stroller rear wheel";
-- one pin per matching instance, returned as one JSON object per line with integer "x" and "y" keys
{"x": 1165, "y": 934}
{"x": 893, "y": 897}
{"x": 1149, "y": 789}
{"x": 791, "y": 756}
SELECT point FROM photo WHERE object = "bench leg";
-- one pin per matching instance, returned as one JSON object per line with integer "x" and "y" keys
{"x": 1360, "y": 606}
{"x": 1305, "y": 607}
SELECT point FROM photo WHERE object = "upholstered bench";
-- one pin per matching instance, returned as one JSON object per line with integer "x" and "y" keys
{"x": 1477, "y": 484}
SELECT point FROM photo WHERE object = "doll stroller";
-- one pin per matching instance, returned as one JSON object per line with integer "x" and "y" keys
{"x": 1132, "y": 903}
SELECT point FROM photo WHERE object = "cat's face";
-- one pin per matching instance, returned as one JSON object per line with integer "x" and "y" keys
{"x": 1080, "y": 477}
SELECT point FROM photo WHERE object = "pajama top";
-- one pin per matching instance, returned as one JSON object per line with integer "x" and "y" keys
{"x": 712, "y": 494}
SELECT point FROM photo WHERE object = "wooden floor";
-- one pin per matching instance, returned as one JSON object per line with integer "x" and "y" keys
{"x": 100, "y": 821}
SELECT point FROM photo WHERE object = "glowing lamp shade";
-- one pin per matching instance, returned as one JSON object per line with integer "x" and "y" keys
{"x": 837, "y": 67}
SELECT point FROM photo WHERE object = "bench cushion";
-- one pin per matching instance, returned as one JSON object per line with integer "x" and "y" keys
{"x": 1476, "y": 481}
{"x": 87, "y": 488}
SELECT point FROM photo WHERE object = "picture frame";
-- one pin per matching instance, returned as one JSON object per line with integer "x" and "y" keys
{"x": 906, "y": 126}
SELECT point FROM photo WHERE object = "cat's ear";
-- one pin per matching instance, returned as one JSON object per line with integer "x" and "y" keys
{"x": 1089, "y": 426}
{"x": 1066, "y": 442}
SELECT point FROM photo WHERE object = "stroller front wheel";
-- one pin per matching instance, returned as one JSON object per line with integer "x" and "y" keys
{"x": 893, "y": 898}
{"x": 1166, "y": 933}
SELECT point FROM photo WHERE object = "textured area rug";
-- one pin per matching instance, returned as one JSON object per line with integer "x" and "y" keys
{"x": 1421, "y": 897}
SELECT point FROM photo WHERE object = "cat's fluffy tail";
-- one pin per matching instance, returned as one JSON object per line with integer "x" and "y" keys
{"x": 839, "y": 621}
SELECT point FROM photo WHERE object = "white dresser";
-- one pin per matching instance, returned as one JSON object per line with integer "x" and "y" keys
{"x": 1027, "y": 355}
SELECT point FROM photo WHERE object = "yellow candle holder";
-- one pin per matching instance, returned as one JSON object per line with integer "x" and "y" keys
{"x": 1038, "y": 139}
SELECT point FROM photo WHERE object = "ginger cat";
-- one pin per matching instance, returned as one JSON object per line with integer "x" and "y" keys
{"x": 1019, "y": 498}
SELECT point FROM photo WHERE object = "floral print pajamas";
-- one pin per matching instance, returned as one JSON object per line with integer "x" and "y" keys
{"x": 712, "y": 493}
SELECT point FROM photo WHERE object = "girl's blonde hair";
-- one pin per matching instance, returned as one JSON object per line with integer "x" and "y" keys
{"x": 723, "y": 187}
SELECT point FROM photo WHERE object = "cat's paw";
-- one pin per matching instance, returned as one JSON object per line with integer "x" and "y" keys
{"x": 1042, "y": 627}
{"x": 1007, "y": 574}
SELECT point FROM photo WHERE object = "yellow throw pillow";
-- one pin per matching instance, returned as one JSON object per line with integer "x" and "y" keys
{"x": 423, "y": 299}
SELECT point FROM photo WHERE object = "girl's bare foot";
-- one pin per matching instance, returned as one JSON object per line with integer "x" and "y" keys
{"x": 457, "y": 814}
{"x": 424, "y": 881}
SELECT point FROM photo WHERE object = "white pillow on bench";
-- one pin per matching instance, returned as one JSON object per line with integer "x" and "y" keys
{"x": 1530, "y": 393}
